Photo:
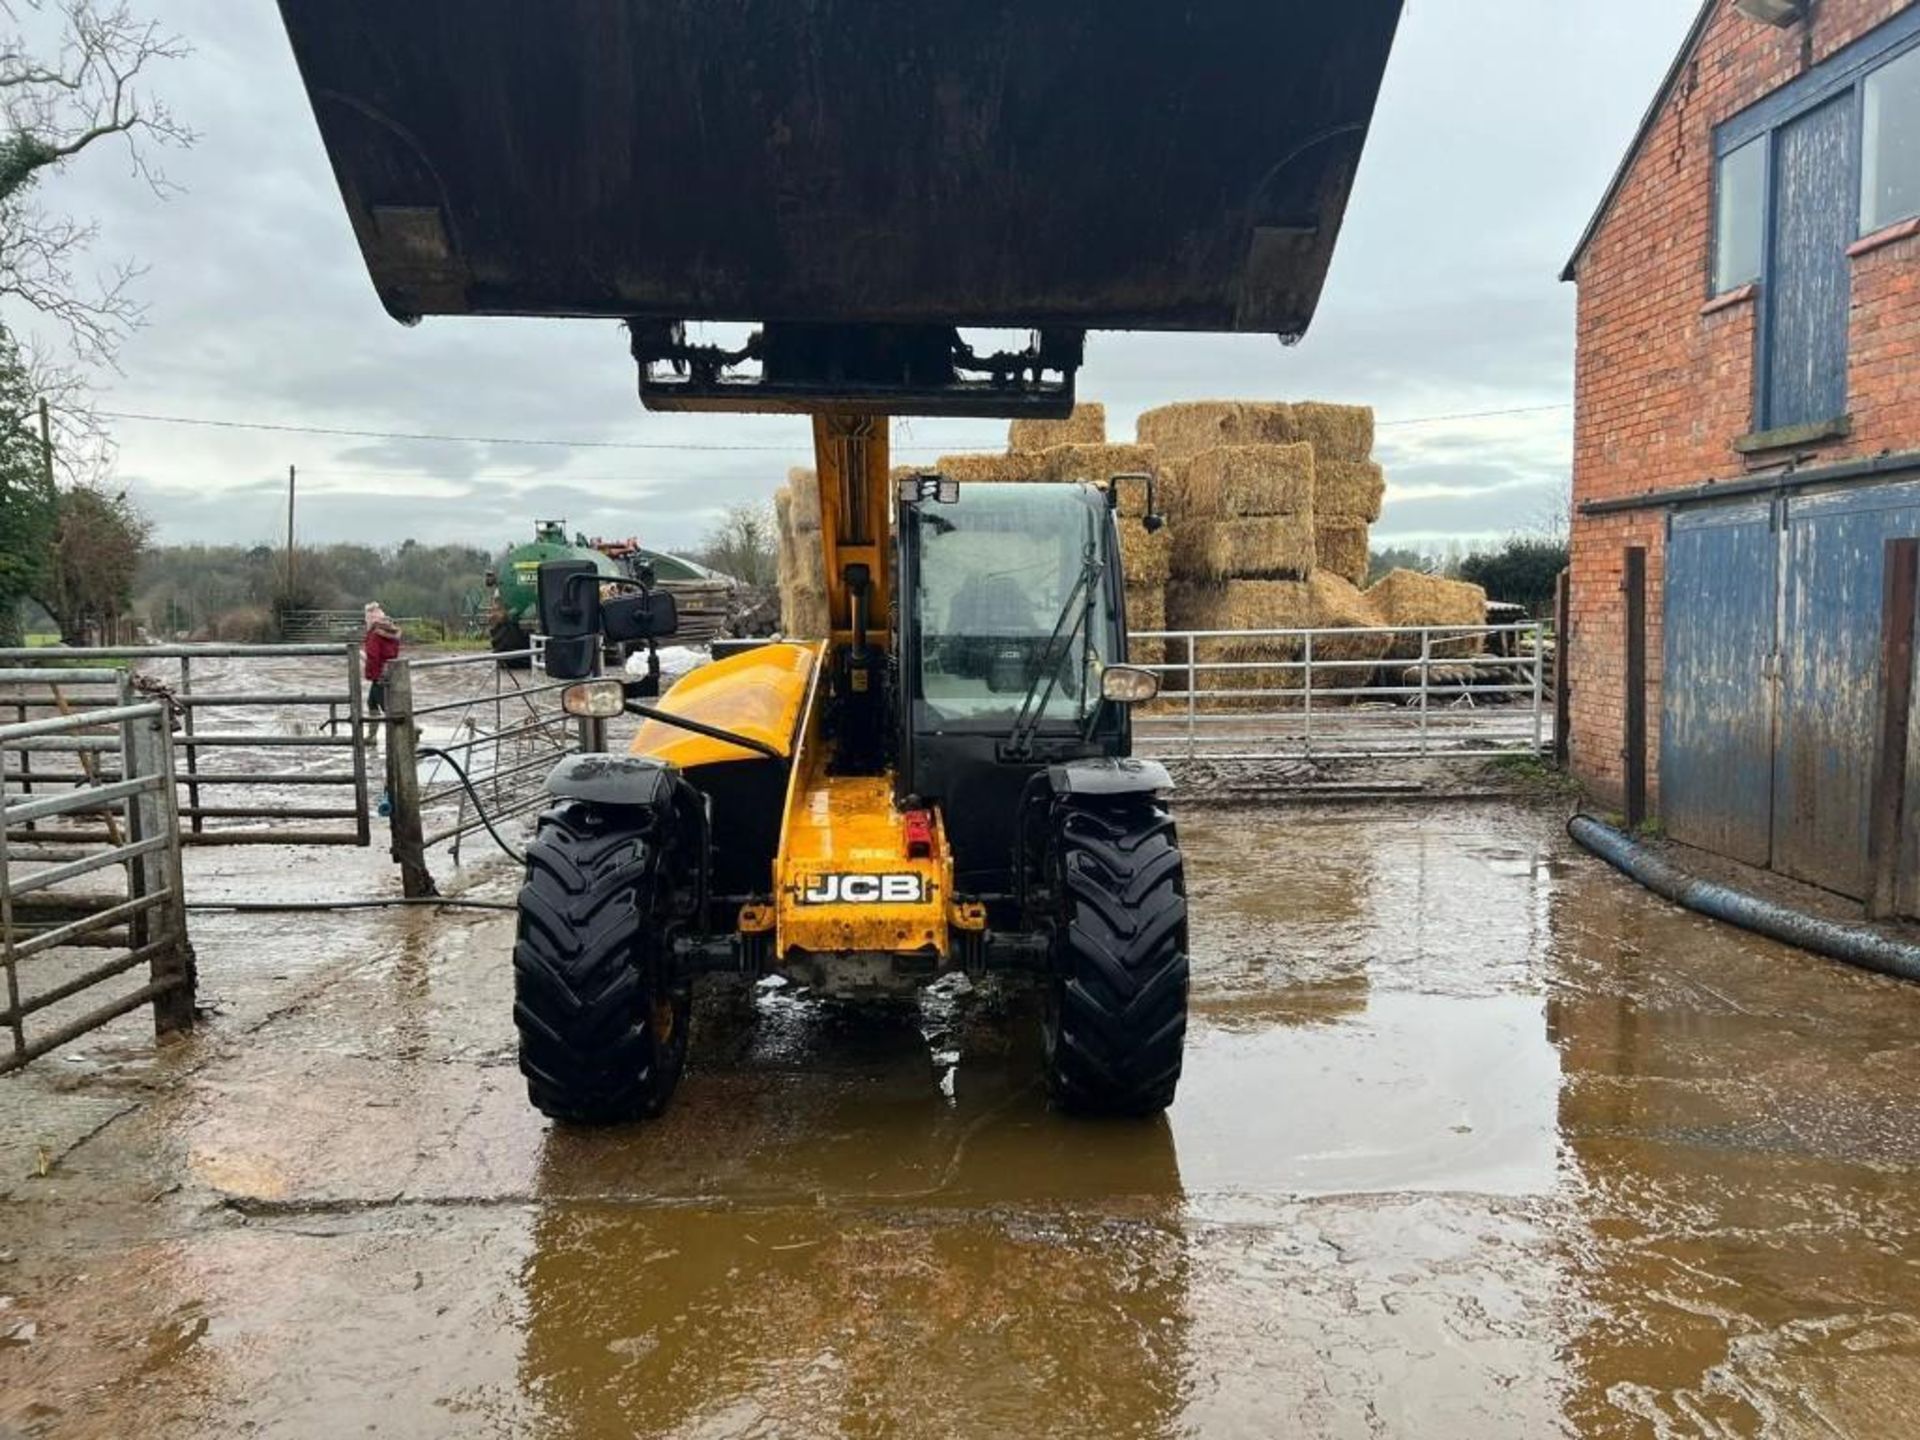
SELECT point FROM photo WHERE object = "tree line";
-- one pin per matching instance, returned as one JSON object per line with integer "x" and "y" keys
{"x": 238, "y": 592}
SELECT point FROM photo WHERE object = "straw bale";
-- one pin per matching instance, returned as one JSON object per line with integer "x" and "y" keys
{"x": 1340, "y": 547}
{"x": 1406, "y": 597}
{"x": 803, "y": 592}
{"x": 974, "y": 468}
{"x": 1146, "y": 610}
{"x": 1336, "y": 432}
{"x": 1146, "y": 557}
{"x": 1086, "y": 426}
{"x": 1232, "y": 481}
{"x": 1184, "y": 430}
{"x": 805, "y": 487}
{"x": 1348, "y": 489}
{"x": 1171, "y": 491}
{"x": 1326, "y": 602}
{"x": 1263, "y": 547}
{"x": 801, "y": 566}
{"x": 1100, "y": 463}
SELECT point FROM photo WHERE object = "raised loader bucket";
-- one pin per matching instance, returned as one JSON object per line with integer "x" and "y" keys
{"x": 1081, "y": 164}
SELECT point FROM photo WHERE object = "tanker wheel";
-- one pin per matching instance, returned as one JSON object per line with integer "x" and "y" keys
{"x": 603, "y": 1023}
{"x": 1116, "y": 1015}
{"x": 505, "y": 636}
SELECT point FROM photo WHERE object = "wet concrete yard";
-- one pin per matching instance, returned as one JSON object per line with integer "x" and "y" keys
{"x": 1476, "y": 1140}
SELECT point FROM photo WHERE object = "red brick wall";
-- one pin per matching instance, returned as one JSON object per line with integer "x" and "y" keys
{"x": 1662, "y": 389}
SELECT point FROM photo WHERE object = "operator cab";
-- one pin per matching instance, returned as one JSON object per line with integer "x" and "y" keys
{"x": 1011, "y": 611}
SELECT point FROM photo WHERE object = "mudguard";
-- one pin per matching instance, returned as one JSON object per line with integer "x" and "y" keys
{"x": 612, "y": 780}
{"x": 1125, "y": 776}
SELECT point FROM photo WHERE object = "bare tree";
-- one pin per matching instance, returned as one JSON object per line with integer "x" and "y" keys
{"x": 743, "y": 545}
{"x": 74, "y": 79}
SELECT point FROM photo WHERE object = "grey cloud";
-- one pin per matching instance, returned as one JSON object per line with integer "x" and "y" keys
{"x": 1497, "y": 130}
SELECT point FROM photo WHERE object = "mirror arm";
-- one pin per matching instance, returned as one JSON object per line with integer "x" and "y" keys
{"x": 712, "y": 732}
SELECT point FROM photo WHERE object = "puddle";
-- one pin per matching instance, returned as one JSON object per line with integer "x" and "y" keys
{"x": 1475, "y": 1140}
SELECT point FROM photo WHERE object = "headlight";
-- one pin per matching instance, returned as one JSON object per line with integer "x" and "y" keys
{"x": 1128, "y": 685}
{"x": 595, "y": 699}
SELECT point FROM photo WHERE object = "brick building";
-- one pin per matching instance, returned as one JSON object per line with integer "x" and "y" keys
{"x": 1748, "y": 419}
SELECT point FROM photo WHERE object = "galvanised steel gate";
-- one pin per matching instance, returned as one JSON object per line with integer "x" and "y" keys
{"x": 1459, "y": 690}
{"x": 271, "y": 741}
{"x": 92, "y": 908}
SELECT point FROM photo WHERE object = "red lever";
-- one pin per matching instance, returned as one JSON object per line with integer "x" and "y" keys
{"x": 917, "y": 828}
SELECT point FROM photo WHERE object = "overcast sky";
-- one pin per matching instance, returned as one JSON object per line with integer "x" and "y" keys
{"x": 1499, "y": 127}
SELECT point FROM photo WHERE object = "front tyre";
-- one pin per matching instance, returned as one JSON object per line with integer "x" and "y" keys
{"x": 603, "y": 1026}
{"x": 1116, "y": 1021}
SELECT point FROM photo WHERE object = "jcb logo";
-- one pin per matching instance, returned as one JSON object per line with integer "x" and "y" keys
{"x": 864, "y": 890}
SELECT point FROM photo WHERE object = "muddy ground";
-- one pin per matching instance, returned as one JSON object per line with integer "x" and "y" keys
{"x": 1476, "y": 1139}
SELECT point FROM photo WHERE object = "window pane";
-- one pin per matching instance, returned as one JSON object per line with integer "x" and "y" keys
{"x": 996, "y": 572}
{"x": 1740, "y": 219}
{"x": 1890, "y": 168}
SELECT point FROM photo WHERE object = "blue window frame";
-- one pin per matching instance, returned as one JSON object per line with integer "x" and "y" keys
{"x": 1740, "y": 216}
{"x": 1799, "y": 175}
{"x": 1890, "y": 143}
{"x": 1879, "y": 77}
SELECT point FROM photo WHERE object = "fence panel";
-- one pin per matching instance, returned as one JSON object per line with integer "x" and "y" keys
{"x": 1382, "y": 692}
{"x": 271, "y": 739}
{"x": 470, "y": 739}
{"x": 92, "y": 911}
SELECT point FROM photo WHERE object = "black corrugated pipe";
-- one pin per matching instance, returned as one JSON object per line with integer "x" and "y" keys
{"x": 1855, "y": 944}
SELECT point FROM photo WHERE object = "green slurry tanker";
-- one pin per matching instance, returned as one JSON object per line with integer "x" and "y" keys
{"x": 704, "y": 595}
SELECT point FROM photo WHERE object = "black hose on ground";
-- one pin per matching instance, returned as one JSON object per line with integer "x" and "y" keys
{"x": 1854, "y": 944}
{"x": 302, "y": 907}
{"x": 479, "y": 809}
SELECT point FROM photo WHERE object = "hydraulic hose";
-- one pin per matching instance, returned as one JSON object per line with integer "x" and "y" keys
{"x": 478, "y": 808}
{"x": 1854, "y": 944}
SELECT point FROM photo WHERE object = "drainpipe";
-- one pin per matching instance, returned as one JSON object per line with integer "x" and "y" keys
{"x": 1853, "y": 944}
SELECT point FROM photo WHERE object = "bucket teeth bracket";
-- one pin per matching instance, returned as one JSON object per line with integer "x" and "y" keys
{"x": 878, "y": 369}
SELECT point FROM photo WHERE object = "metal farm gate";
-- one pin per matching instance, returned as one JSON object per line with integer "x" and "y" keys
{"x": 1778, "y": 677}
{"x": 270, "y": 741}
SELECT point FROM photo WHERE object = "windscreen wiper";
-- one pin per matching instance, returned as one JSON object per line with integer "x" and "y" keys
{"x": 1027, "y": 723}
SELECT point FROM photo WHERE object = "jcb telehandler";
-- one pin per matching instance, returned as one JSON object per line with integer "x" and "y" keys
{"x": 943, "y": 782}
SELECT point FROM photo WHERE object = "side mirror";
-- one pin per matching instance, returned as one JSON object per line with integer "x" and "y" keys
{"x": 654, "y": 615}
{"x": 569, "y": 593}
{"x": 1150, "y": 517}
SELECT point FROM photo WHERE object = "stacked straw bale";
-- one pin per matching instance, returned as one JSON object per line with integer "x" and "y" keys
{"x": 1192, "y": 427}
{"x": 1336, "y": 432}
{"x": 1247, "y": 514}
{"x": 1019, "y": 465}
{"x": 1146, "y": 610}
{"x": 1406, "y": 597}
{"x": 1323, "y": 602}
{"x": 1086, "y": 426}
{"x": 1347, "y": 495}
{"x": 802, "y": 562}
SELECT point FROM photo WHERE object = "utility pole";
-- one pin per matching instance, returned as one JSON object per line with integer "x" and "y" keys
{"x": 290, "y": 478}
{"x": 46, "y": 442}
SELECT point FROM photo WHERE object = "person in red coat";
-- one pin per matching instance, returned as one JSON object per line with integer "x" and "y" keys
{"x": 380, "y": 647}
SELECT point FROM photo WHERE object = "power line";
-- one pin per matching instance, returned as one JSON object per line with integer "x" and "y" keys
{"x": 1473, "y": 415}
{"x": 683, "y": 445}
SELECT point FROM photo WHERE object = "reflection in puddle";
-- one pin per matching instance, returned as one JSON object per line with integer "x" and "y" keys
{"x": 1476, "y": 1140}
{"x": 1419, "y": 1092}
